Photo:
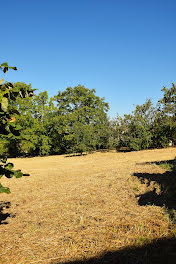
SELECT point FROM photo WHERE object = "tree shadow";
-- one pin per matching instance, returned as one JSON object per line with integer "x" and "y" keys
{"x": 75, "y": 155}
{"x": 103, "y": 150}
{"x": 123, "y": 149}
{"x": 159, "y": 251}
{"x": 167, "y": 196}
{"x": 167, "y": 184}
{"x": 4, "y": 216}
{"x": 169, "y": 162}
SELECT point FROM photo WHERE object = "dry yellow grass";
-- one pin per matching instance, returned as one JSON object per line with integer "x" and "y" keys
{"x": 78, "y": 207}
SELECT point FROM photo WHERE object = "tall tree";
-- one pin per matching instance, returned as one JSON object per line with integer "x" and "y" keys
{"x": 33, "y": 118}
{"x": 135, "y": 130}
{"x": 167, "y": 114}
{"x": 83, "y": 119}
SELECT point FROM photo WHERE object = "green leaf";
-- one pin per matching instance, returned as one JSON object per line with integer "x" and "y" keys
{"x": 9, "y": 166}
{"x": 18, "y": 127}
{"x": 4, "y": 160}
{"x": 4, "y": 104}
{"x": 27, "y": 137}
{"x": 18, "y": 174}
{"x": 4, "y": 189}
{"x": 4, "y": 64}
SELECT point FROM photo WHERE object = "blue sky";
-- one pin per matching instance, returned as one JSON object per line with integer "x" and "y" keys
{"x": 124, "y": 49}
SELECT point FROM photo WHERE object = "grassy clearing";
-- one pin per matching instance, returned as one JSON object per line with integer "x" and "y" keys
{"x": 81, "y": 207}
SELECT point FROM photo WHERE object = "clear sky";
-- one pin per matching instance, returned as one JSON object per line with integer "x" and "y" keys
{"x": 125, "y": 49}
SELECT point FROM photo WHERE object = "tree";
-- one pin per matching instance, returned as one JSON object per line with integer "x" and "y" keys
{"x": 82, "y": 120}
{"x": 34, "y": 117}
{"x": 135, "y": 130}
{"x": 8, "y": 94}
{"x": 167, "y": 113}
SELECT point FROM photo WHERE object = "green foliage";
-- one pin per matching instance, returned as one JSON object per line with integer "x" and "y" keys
{"x": 135, "y": 131}
{"x": 82, "y": 120}
{"x": 33, "y": 122}
{"x": 6, "y": 169}
{"x": 8, "y": 128}
{"x": 75, "y": 121}
{"x": 167, "y": 109}
{"x": 148, "y": 126}
{"x": 3, "y": 146}
{"x": 168, "y": 101}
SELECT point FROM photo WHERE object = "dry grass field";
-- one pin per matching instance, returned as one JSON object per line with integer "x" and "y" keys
{"x": 78, "y": 208}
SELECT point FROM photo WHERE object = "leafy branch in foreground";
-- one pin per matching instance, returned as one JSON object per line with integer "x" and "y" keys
{"x": 8, "y": 110}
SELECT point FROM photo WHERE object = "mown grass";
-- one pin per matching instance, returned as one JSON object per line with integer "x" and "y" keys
{"x": 169, "y": 165}
{"x": 92, "y": 208}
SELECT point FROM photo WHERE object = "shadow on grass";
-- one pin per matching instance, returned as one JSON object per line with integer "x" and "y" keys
{"x": 167, "y": 183}
{"x": 123, "y": 149}
{"x": 75, "y": 155}
{"x": 161, "y": 251}
{"x": 4, "y": 216}
{"x": 167, "y": 196}
{"x": 166, "y": 164}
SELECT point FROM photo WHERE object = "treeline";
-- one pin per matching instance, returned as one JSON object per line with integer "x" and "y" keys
{"x": 76, "y": 121}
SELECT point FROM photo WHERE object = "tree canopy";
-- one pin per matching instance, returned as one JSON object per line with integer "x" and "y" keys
{"x": 76, "y": 121}
{"x": 8, "y": 127}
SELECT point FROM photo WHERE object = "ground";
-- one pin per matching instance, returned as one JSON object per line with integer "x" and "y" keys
{"x": 72, "y": 208}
